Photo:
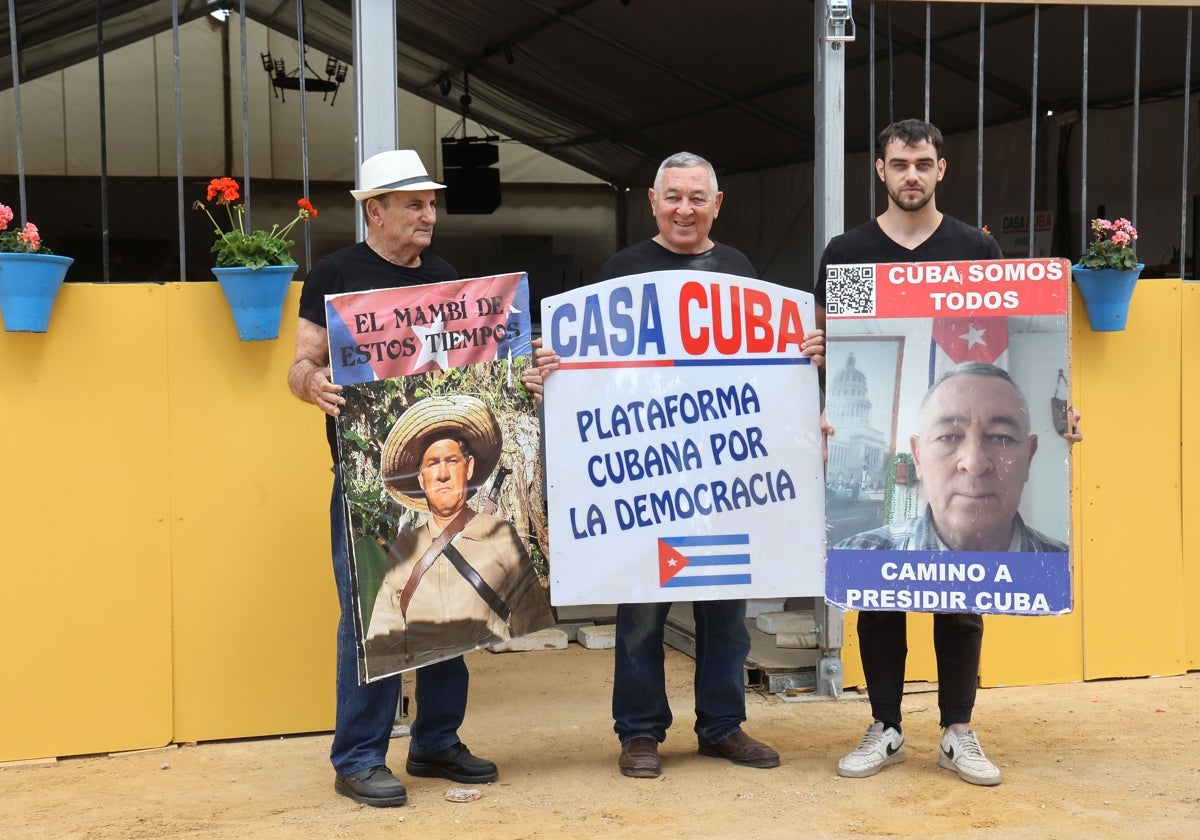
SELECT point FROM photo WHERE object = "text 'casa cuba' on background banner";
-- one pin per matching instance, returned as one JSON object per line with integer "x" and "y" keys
{"x": 438, "y": 450}
{"x": 683, "y": 448}
{"x": 948, "y": 481}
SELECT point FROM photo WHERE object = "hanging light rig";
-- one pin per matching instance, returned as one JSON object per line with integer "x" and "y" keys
{"x": 282, "y": 80}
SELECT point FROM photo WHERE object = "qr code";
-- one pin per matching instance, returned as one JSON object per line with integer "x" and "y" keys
{"x": 850, "y": 290}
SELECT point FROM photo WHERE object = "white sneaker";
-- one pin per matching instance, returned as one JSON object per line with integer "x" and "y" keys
{"x": 961, "y": 753}
{"x": 879, "y": 748}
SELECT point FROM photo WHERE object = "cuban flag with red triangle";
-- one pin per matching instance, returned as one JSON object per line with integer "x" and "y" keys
{"x": 711, "y": 560}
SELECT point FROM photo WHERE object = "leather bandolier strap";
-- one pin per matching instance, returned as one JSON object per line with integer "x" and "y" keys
{"x": 431, "y": 555}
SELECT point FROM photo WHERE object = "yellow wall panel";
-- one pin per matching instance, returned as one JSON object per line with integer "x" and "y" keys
{"x": 85, "y": 568}
{"x": 852, "y": 670}
{"x": 254, "y": 603}
{"x": 1190, "y": 458}
{"x": 1130, "y": 563}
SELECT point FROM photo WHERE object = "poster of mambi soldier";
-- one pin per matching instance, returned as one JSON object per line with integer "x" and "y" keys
{"x": 948, "y": 481}
{"x": 438, "y": 449}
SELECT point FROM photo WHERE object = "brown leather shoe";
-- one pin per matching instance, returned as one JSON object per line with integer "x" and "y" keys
{"x": 740, "y": 748}
{"x": 639, "y": 758}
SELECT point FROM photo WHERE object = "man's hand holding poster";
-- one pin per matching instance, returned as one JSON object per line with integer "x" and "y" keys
{"x": 948, "y": 482}
{"x": 683, "y": 449}
{"x": 438, "y": 449}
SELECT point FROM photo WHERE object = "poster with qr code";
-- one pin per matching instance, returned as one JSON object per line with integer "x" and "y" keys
{"x": 948, "y": 479}
{"x": 683, "y": 444}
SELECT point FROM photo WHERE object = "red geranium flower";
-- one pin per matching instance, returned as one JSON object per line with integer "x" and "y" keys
{"x": 225, "y": 188}
{"x": 256, "y": 248}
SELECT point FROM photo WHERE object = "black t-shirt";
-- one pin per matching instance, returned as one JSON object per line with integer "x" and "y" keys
{"x": 357, "y": 268}
{"x": 867, "y": 243}
{"x": 648, "y": 255}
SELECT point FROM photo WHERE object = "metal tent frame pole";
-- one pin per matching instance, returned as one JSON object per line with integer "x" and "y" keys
{"x": 834, "y": 27}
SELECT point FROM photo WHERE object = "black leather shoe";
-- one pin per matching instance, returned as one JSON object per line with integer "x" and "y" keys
{"x": 741, "y": 749}
{"x": 455, "y": 763}
{"x": 376, "y": 786}
{"x": 639, "y": 758}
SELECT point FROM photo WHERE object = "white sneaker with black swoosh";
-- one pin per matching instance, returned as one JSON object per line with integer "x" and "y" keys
{"x": 961, "y": 753}
{"x": 879, "y": 747}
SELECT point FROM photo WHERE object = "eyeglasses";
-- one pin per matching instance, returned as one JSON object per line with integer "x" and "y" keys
{"x": 699, "y": 202}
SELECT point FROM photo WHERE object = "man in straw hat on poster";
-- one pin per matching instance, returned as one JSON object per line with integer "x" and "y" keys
{"x": 462, "y": 579}
{"x": 399, "y": 206}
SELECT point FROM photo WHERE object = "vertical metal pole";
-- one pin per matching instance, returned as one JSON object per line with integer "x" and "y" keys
{"x": 103, "y": 143}
{"x": 226, "y": 103}
{"x": 829, "y": 136}
{"x": 303, "y": 128}
{"x": 1033, "y": 127}
{"x": 1137, "y": 116}
{"x": 245, "y": 116}
{"x": 16, "y": 83}
{"x": 375, "y": 74}
{"x": 891, "y": 70}
{"x": 928, "y": 53}
{"x": 1084, "y": 212}
{"x": 179, "y": 139}
{"x": 979, "y": 126}
{"x": 829, "y": 61}
{"x": 375, "y": 104}
{"x": 1183, "y": 169}
{"x": 871, "y": 119}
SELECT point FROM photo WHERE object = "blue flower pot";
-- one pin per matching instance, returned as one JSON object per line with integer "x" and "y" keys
{"x": 1106, "y": 293}
{"x": 255, "y": 297}
{"x": 29, "y": 283}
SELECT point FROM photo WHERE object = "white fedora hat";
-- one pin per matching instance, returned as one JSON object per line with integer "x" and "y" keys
{"x": 390, "y": 171}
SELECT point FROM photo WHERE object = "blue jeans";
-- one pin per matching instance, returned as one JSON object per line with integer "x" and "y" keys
{"x": 365, "y": 713}
{"x": 640, "y": 707}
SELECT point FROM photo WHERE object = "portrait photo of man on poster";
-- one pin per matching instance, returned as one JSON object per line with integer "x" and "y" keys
{"x": 889, "y": 407}
{"x": 440, "y": 595}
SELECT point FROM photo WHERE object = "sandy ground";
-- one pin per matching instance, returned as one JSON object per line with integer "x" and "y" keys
{"x": 1088, "y": 760}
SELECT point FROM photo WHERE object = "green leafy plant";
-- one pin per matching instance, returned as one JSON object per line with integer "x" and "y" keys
{"x": 22, "y": 240}
{"x": 237, "y": 248}
{"x": 1111, "y": 245}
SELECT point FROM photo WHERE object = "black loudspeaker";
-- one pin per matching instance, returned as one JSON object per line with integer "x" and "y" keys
{"x": 468, "y": 152}
{"x": 472, "y": 186}
{"x": 472, "y": 191}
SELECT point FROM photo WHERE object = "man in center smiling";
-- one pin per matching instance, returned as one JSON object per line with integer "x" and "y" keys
{"x": 685, "y": 202}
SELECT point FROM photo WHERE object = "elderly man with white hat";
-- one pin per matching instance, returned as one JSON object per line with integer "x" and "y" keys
{"x": 399, "y": 204}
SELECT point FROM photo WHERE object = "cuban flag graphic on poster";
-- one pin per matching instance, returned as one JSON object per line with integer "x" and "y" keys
{"x": 917, "y": 467}
{"x": 683, "y": 447}
{"x": 384, "y": 333}
{"x": 717, "y": 560}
